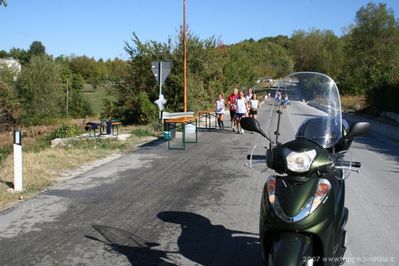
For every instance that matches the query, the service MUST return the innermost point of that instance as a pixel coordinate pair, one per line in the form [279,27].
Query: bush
[139,110]
[65,131]
[384,97]
[107,112]
[80,106]
[10,112]
[146,111]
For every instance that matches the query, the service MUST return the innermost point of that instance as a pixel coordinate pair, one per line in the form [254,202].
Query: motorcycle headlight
[299,162]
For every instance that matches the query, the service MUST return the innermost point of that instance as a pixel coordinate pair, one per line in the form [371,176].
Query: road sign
[161,70]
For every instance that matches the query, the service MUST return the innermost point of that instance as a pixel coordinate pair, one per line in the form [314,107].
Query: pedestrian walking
[277,98]
[253,106]
[247,98]
[220,105]
[231,102]
[286,100]
[240,111]
[249,95]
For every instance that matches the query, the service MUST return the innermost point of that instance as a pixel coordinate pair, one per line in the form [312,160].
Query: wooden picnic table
[180,123]
[115,124]
[183,119]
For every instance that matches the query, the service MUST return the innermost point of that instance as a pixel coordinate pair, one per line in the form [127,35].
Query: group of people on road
[279,99]
[239,106]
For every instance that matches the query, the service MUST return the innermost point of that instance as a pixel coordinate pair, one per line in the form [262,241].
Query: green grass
[96,96]
[142,132]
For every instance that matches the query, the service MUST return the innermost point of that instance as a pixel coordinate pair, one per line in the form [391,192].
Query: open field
[96,96]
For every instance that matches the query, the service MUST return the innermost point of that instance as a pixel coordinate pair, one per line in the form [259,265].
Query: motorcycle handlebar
[256,157]
[351,164]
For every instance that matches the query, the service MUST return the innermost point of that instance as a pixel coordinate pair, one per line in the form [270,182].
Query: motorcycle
[302,213]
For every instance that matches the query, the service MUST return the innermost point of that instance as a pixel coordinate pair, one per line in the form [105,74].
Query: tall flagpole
[184,57]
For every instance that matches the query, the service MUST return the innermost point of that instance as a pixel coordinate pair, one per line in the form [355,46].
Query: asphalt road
[194,207]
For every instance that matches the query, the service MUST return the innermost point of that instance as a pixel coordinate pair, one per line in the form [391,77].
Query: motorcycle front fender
[290,248]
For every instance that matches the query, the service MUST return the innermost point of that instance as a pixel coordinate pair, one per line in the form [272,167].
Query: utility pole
[184,57]
[67,97]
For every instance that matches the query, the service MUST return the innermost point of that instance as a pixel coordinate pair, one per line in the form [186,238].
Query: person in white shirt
[253,106]
[249,95]
[219,105]
[240,111]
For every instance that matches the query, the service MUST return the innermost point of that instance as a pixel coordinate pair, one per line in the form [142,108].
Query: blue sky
[99,28]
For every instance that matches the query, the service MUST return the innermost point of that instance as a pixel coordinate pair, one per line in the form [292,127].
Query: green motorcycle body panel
[294,191]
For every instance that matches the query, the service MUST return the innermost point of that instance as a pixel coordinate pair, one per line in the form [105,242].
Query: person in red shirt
[231,103]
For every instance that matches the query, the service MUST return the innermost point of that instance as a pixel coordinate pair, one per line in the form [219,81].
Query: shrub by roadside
[353,103]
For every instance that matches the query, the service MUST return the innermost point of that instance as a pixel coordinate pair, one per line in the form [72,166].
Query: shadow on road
[137,250]
[386,147]
[154,143]
[199,241]
[204,243]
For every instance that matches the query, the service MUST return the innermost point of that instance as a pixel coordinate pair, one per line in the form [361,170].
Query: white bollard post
[17,161]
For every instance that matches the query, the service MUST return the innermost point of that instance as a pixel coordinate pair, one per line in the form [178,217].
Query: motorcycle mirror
[251,124]
[358,129]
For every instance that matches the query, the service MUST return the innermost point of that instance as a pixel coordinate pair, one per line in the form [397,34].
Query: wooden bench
[92,127]
[180,123]
[116,125]
[101,126]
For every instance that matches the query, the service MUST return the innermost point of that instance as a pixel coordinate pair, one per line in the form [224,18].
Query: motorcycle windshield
[305,105]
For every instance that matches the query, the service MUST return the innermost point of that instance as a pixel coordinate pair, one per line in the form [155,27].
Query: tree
[20,54]
[239,70]
[10,111]
[372,49]
[36,49]
[317,50]
[272,58]
[3,2]
[92,71]
[73,104]
[116,69]
[39,89]
[3,54]
[78,105]
[138,83]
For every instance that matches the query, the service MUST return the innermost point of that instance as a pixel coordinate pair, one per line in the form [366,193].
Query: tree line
[48,87]
[363,61]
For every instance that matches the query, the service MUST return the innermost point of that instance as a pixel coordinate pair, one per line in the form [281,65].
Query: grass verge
[353,103]
[42,167]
